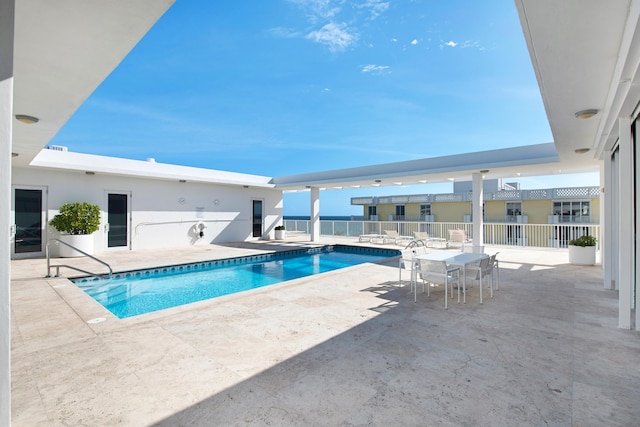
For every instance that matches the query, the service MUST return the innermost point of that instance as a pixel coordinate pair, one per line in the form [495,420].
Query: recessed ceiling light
[581,150]
[484,171]
[89,173]
[378,180]
[586,114]
[27,119]
[423,181]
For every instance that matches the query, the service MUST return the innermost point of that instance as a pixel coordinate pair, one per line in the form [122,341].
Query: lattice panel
[399,199]
[572,193]
[362,201]
[539,194]
[420,198]
[506,195]
[449,198]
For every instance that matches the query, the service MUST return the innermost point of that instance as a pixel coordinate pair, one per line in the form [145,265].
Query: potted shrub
[76,222]
[582,251]
[280,232]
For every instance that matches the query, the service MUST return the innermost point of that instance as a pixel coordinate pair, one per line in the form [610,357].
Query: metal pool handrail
[57,266]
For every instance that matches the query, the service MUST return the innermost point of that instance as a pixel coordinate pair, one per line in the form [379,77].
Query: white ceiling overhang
[101,165]
[63,50]
[585,54]
[532,160]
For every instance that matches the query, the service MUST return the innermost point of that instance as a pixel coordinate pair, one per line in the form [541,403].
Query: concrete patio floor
[347,347]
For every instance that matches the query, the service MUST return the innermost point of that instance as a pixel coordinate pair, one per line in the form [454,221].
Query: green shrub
[77,218]
[583,241]
[280,227]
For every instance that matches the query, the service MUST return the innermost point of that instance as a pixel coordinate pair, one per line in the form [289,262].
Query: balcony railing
[511,234]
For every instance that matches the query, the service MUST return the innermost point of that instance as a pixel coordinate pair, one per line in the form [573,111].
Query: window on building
[513,210]
[399,213]
[425,210]
[372,211]
[574,211]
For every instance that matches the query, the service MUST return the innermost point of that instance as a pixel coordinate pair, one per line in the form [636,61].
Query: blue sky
[283,87]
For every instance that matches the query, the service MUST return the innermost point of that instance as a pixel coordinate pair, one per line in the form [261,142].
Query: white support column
[635,298]
[626,247]
[606,224]
[315,214]
[478,198]
[7,14]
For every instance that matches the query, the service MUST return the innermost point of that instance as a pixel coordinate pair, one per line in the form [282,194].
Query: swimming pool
[143,291]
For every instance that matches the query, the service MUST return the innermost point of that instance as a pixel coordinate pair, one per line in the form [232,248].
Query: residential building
[506,204]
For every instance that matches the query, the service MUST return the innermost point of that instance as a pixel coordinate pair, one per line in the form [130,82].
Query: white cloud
[414,42]
[376,7]
[334,33]
[283,32]
[394,39]
[319,8]
[336,36]
[378,70]
[471,44]
[451,43]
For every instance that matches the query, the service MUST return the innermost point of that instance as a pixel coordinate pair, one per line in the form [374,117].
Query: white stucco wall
[163,212]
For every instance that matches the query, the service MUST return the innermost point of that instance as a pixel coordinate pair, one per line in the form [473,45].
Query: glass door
[257,218]
[29,222]
[118,226]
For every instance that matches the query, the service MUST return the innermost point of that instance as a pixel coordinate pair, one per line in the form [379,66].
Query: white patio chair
[436,273]
[480,270]
[406,262]
[496,267]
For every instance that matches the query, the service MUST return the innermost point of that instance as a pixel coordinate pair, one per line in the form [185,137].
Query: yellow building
[544,206]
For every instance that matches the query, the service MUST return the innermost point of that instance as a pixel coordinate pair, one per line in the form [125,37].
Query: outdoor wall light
[14,154]
[378,180]
[182,180]
[582,150]
[484,171]
[90,173]
[586,114]
[27,119]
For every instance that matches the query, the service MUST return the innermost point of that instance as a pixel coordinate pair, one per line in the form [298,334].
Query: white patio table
[457,259]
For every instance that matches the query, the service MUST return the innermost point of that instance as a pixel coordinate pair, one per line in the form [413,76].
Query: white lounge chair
[395,237]
[457,238]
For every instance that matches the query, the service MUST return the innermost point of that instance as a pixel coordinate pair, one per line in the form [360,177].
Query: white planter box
[84,242]
[582,255]
[280,234]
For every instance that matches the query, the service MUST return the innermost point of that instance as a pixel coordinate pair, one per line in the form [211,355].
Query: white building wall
[163,213]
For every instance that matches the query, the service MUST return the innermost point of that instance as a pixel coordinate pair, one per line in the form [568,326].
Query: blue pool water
[143,291]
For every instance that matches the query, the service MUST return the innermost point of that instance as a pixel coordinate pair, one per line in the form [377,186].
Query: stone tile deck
[347,347]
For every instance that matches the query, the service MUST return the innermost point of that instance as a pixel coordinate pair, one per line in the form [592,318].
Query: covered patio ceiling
[63,50]
[580,50]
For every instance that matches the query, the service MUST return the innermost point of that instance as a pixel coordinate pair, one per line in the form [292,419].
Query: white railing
[512,234]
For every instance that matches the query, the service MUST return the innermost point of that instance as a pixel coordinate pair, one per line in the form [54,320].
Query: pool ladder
[57,266]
